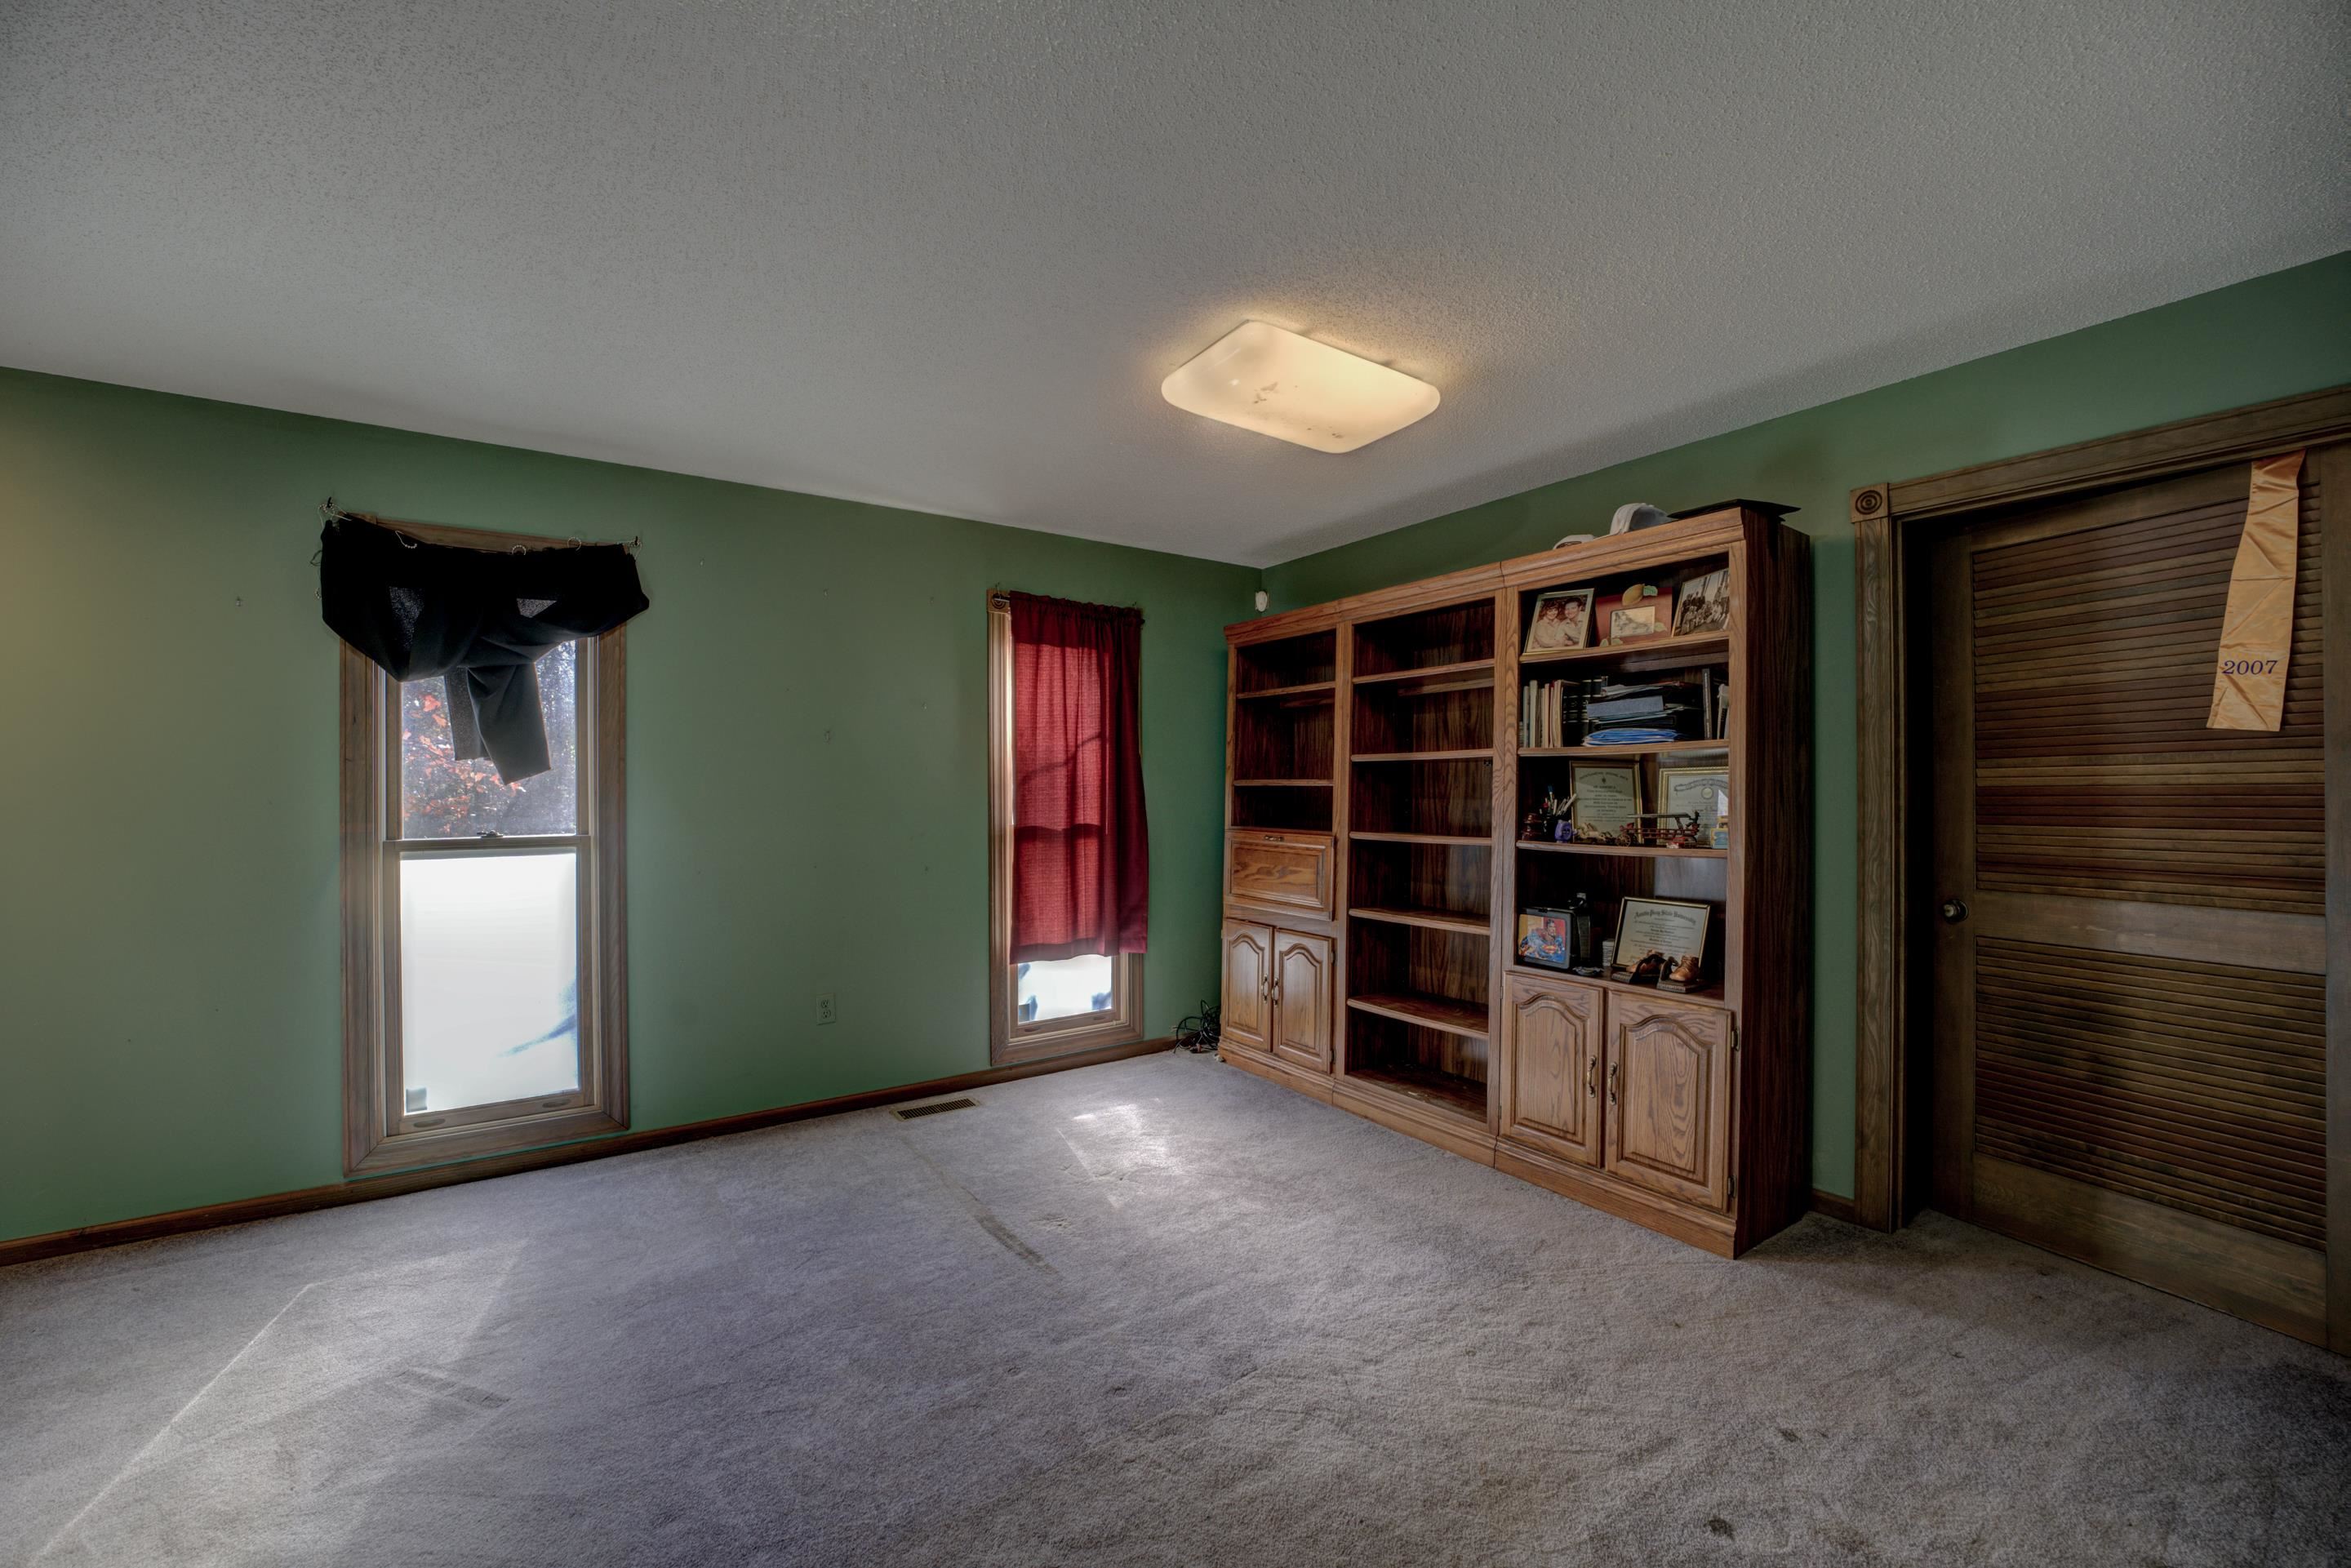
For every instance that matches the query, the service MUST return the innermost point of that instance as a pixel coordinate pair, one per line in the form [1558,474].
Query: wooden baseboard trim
[362,1190]
[1713,1234]
[1403,1114]
[1835,1207]
[1314,1086]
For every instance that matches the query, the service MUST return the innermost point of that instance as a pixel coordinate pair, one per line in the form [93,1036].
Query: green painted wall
[2272,337]
[807,805]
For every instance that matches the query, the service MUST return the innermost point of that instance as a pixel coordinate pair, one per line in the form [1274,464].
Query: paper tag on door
[2257,633]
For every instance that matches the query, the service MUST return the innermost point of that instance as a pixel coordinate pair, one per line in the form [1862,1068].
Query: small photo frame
[1562,620]
[1545,939]
[1661,942]
[1642,609]
[1701,793]
[1703,605]
[1605,798]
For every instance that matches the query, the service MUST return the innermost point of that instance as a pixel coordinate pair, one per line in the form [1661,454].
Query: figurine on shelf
[1661,830]
[1551,821]
[1679,831]
[1581,958]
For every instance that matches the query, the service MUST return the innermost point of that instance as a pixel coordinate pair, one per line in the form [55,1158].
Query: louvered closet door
[2130,921]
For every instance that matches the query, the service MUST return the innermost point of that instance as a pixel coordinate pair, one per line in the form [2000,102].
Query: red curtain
[1081,853]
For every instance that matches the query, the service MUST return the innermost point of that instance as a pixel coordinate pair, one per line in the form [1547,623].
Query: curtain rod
[1002,599]
[329,511]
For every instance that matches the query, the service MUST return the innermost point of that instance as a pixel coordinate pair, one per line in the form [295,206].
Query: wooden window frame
[1895,527]
[1009,1040]
[379,1133]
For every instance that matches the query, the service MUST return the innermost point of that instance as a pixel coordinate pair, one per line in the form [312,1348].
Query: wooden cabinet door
[1279,870]
[1248,1015]
[1550,1068]
[1301,1000]
[1670,1088]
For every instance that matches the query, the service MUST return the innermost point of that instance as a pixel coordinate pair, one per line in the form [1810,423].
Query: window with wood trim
[1051,1007]
[484,983]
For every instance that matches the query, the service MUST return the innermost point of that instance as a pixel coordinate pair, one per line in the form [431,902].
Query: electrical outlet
[825,1011]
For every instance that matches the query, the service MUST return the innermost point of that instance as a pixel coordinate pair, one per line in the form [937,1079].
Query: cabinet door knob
[1591,1077]
[1612,1080]
[1954,911]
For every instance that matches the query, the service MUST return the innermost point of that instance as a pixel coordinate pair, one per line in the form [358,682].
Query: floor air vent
[908,1113]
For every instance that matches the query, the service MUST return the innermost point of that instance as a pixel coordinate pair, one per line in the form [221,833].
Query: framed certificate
[1661,942]
[1700,792]
[1606,798]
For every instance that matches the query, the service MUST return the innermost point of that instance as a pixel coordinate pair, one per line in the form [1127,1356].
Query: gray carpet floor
[1154,1312]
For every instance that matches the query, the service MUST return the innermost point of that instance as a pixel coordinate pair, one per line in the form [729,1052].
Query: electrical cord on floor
[1200,1032]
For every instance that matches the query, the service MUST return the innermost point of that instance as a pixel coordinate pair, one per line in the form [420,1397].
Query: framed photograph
[1563,620]
[1704,605]
[1545,939]
[1661,942]
[1642,609]
[1605,798]
[1701,793]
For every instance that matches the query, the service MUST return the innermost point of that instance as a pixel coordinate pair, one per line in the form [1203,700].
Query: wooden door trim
[2333,470]
[2209,441]
[1892,528]
[1893,525]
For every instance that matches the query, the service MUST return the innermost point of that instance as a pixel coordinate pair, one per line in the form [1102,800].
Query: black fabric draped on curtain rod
[478,618]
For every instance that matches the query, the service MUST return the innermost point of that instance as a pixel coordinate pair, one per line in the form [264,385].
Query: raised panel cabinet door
[1278,871]
[1301,1000]
[1551,1069]
[1669,1087]
[1248,1015]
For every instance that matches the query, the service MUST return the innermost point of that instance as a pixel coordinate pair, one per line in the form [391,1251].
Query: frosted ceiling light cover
[1263,378]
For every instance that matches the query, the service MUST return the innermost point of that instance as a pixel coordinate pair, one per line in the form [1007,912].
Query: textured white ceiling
[940,254]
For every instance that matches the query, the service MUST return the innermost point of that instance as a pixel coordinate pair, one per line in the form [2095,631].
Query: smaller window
[1045,1007]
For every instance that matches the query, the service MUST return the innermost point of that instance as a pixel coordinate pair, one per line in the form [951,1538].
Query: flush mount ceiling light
[1262,378]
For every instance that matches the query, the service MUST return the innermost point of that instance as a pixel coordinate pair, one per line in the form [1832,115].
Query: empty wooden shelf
[1444,1013]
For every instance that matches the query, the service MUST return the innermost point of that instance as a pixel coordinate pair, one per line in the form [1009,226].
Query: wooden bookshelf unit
[1377,795]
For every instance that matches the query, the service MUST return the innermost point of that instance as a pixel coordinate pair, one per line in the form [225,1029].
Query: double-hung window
[484,985]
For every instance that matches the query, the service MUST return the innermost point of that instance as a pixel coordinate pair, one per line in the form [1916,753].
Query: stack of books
[1638,714]
[1694,704]
[1552,713]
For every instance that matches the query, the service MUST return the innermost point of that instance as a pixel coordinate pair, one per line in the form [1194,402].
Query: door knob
[1954,911]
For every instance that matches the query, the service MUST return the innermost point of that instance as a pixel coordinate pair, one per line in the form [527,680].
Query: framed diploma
[1700,792]
[1607,798]
[1661,942]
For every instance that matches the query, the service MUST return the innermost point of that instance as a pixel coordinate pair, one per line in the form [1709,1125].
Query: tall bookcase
[1377,859]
